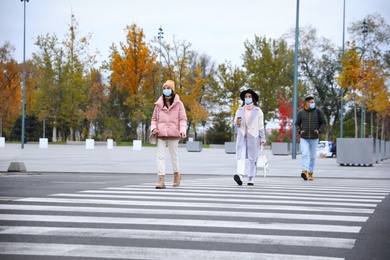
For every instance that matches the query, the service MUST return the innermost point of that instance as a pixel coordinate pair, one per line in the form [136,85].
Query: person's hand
[238,121]
[183,135]
[302,131]
[155,131]
[263,143]
[317,132]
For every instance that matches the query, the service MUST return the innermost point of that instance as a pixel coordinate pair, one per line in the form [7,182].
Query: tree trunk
[63,132]
[372,125]
[71,137]
[146,133]
[44,128]
[54,137]
[383,129]
[377,127]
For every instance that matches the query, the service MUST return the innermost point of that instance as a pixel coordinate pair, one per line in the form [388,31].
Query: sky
[213,27]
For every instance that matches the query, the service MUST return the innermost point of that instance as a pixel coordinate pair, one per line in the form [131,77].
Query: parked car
[334,149]
[325,149]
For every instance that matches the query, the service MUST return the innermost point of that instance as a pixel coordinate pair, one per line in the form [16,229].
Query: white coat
[255,133]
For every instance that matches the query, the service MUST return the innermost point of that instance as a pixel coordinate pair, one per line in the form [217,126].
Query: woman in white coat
[249,121]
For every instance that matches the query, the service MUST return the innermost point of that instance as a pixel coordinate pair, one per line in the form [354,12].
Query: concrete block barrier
[17,167]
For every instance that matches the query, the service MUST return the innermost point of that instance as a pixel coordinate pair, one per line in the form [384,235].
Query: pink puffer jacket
[170,122]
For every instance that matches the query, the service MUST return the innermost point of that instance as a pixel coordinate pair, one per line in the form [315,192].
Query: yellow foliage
[10,95]
[363,81]
[349,76]
[191,94]
[131,68]
[134,64]
[375,89]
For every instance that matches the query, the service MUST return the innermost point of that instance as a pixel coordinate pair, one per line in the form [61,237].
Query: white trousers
[172,148]
[241,163]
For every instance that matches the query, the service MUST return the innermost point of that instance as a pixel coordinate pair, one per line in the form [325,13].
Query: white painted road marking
[115,252]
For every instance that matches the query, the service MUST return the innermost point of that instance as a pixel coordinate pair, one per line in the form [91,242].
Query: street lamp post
[363,116]
[295,99]
[24,72]
[342,91]
[160,37]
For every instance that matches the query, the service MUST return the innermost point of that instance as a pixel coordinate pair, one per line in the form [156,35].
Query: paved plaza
[124,159]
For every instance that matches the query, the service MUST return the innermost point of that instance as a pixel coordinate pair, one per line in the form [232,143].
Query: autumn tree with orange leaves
[376,92]
[349,79]
[191,73]
[372,50]
[132,92]
[97,101]
[191,93]
[10,89]
[364,84]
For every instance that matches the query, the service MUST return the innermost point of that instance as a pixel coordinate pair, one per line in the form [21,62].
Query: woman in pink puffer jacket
[169,123]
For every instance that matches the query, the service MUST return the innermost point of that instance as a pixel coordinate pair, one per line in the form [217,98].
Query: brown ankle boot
[176,179]
[304,175]
[160,184]
[310,176]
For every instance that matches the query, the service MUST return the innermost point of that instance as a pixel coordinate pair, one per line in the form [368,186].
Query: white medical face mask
[312,105]
[248,101]
[167,92]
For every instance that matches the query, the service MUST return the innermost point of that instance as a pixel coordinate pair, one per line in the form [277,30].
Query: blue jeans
[308,146]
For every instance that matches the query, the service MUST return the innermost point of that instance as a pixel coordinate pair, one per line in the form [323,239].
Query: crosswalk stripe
[182,222]
[219,213]
[117,252]
[198,205]
[284,191]
[229,185]
[274,195]
[8,198]
[257,201]
[329,242]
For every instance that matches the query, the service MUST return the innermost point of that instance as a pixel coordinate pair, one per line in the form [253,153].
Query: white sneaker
[250,181]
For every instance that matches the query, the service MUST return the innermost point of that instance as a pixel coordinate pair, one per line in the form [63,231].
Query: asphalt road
[121,216]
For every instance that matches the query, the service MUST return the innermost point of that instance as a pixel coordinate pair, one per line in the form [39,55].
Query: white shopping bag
[262,161]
